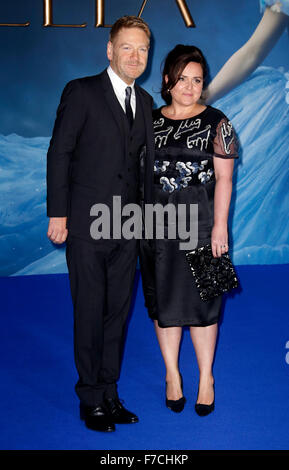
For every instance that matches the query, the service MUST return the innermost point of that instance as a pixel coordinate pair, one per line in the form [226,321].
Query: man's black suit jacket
[87,155]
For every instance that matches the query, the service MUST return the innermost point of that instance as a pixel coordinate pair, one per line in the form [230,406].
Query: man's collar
[116,80]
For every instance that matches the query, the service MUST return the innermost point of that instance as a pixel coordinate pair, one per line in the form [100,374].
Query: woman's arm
[223,190]
[248,57]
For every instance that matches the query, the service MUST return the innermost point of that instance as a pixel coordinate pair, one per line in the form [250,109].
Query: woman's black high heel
[204,410]
[176,405]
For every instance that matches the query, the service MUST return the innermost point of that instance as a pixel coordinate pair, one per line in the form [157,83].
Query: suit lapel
[147,113]
[113,103]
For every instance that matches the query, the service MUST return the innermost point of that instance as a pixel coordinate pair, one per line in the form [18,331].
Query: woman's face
[188,89]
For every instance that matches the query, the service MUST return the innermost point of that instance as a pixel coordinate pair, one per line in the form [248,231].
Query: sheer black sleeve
[225,142]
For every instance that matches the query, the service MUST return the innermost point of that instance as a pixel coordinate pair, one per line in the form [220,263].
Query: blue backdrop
[36,64]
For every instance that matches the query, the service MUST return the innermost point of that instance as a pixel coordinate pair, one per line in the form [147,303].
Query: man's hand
[57,231]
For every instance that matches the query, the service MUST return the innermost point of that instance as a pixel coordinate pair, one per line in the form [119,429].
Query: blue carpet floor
[39,409]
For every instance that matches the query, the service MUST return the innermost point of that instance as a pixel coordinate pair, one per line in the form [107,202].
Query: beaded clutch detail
[213,276]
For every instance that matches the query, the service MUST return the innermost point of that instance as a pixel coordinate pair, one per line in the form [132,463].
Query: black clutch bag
[213,276]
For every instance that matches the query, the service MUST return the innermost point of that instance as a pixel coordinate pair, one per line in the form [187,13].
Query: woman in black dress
[195,147]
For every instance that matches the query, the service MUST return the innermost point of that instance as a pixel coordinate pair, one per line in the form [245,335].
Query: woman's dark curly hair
[175,62]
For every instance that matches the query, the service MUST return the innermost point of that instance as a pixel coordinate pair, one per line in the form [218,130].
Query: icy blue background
[36,63]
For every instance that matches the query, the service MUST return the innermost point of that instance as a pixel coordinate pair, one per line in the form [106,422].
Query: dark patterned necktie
[128,109]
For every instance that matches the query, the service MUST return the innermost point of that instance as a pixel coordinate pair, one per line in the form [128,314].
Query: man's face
[128,53]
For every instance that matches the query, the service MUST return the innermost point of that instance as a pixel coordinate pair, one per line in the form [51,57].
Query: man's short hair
[129,22]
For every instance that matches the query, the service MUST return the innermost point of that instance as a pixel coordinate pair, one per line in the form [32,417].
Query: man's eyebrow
[130,44]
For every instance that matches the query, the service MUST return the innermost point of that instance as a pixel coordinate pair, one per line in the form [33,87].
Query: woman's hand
[219,240]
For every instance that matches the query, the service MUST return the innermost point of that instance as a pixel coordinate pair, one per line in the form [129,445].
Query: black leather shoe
[176,405]
[96,418]
[117,413]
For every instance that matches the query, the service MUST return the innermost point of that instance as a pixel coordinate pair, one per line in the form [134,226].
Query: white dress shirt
[119,87]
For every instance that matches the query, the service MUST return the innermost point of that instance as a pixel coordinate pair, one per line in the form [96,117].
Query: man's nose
[134,54]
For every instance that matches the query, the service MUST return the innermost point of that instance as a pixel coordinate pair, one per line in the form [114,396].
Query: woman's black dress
[184,174]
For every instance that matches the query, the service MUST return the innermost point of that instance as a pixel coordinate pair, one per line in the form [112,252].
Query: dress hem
[183,323]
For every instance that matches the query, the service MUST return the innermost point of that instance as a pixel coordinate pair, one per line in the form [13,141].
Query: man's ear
[109,50]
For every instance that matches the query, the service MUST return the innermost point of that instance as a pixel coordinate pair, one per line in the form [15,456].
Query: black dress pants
[101,277]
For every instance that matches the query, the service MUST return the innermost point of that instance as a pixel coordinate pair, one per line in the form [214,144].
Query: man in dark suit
[102,124]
